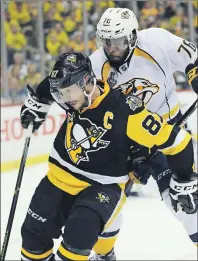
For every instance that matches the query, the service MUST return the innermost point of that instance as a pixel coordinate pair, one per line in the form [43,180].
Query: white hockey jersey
[149,73]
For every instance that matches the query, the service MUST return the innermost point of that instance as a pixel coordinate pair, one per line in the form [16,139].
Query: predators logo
[83,137]
[140,87]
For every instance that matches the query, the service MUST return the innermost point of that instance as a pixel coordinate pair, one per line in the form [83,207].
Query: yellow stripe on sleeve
[105,71]
[172,113]
[138,133]
[179,147]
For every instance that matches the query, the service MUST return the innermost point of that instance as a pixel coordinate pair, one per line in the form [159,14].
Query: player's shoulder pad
[155,41]
[134,103]
[153,37]
[154,34]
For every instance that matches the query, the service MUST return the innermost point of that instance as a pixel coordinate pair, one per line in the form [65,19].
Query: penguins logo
[141,88]
[82,138]
[71,58]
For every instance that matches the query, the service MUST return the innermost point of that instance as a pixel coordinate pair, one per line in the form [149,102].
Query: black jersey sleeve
[43,90]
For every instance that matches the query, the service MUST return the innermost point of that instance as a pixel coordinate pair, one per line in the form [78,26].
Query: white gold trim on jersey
[103,179]
[116,211]
[181,137]
[57,258]
[173,112]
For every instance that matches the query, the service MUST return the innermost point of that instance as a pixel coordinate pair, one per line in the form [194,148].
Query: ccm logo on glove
[186,188]
[33,103]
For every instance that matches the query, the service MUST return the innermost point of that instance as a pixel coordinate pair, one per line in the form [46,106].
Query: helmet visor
[119,44]
[72,95]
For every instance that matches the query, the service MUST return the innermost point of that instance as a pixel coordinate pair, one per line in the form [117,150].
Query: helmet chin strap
[89,96]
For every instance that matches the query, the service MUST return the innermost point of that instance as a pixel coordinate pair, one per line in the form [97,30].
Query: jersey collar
[104,88]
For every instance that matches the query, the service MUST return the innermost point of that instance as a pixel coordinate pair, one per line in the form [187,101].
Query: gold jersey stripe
[178,148]
[41,256]
[71,255]
[99,99]
[139,52]
[171,113]
[136,132]
[105,71]
[65,181]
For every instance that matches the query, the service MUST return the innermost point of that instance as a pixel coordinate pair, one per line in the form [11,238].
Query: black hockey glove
[184,194]
[140,170]
[139,165]
[192,75]
[33,110]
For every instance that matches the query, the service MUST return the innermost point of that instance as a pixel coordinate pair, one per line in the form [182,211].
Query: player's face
[74,96]
[115,48]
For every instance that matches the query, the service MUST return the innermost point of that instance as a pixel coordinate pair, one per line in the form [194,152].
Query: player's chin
[115,58]
[75,105]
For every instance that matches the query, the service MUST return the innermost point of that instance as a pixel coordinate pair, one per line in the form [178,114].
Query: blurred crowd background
[35,33]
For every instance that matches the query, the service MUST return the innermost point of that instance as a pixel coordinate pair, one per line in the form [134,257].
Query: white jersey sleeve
[180,51]
[99,61]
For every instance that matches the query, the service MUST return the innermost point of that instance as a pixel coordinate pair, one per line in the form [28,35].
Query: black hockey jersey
[93,145]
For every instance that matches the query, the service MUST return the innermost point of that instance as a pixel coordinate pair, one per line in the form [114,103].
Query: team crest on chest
[83,137]
[140,87]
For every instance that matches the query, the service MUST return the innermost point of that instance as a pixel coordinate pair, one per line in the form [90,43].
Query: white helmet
[121,25]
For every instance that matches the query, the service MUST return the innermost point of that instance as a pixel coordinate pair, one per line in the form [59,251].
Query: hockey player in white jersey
[143,63]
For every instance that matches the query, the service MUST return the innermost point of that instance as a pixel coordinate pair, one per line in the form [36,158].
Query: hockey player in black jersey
[83,189]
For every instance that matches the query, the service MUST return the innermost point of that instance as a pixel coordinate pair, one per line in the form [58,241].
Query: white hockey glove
[33,110]
[184,194]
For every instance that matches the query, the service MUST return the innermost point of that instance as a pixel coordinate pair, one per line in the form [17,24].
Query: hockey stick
[187,114]
[181,121]
[16,192]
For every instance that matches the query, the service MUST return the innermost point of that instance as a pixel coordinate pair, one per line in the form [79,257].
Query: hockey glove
[140,170]
[184,194]
[33,110]
[192,75]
